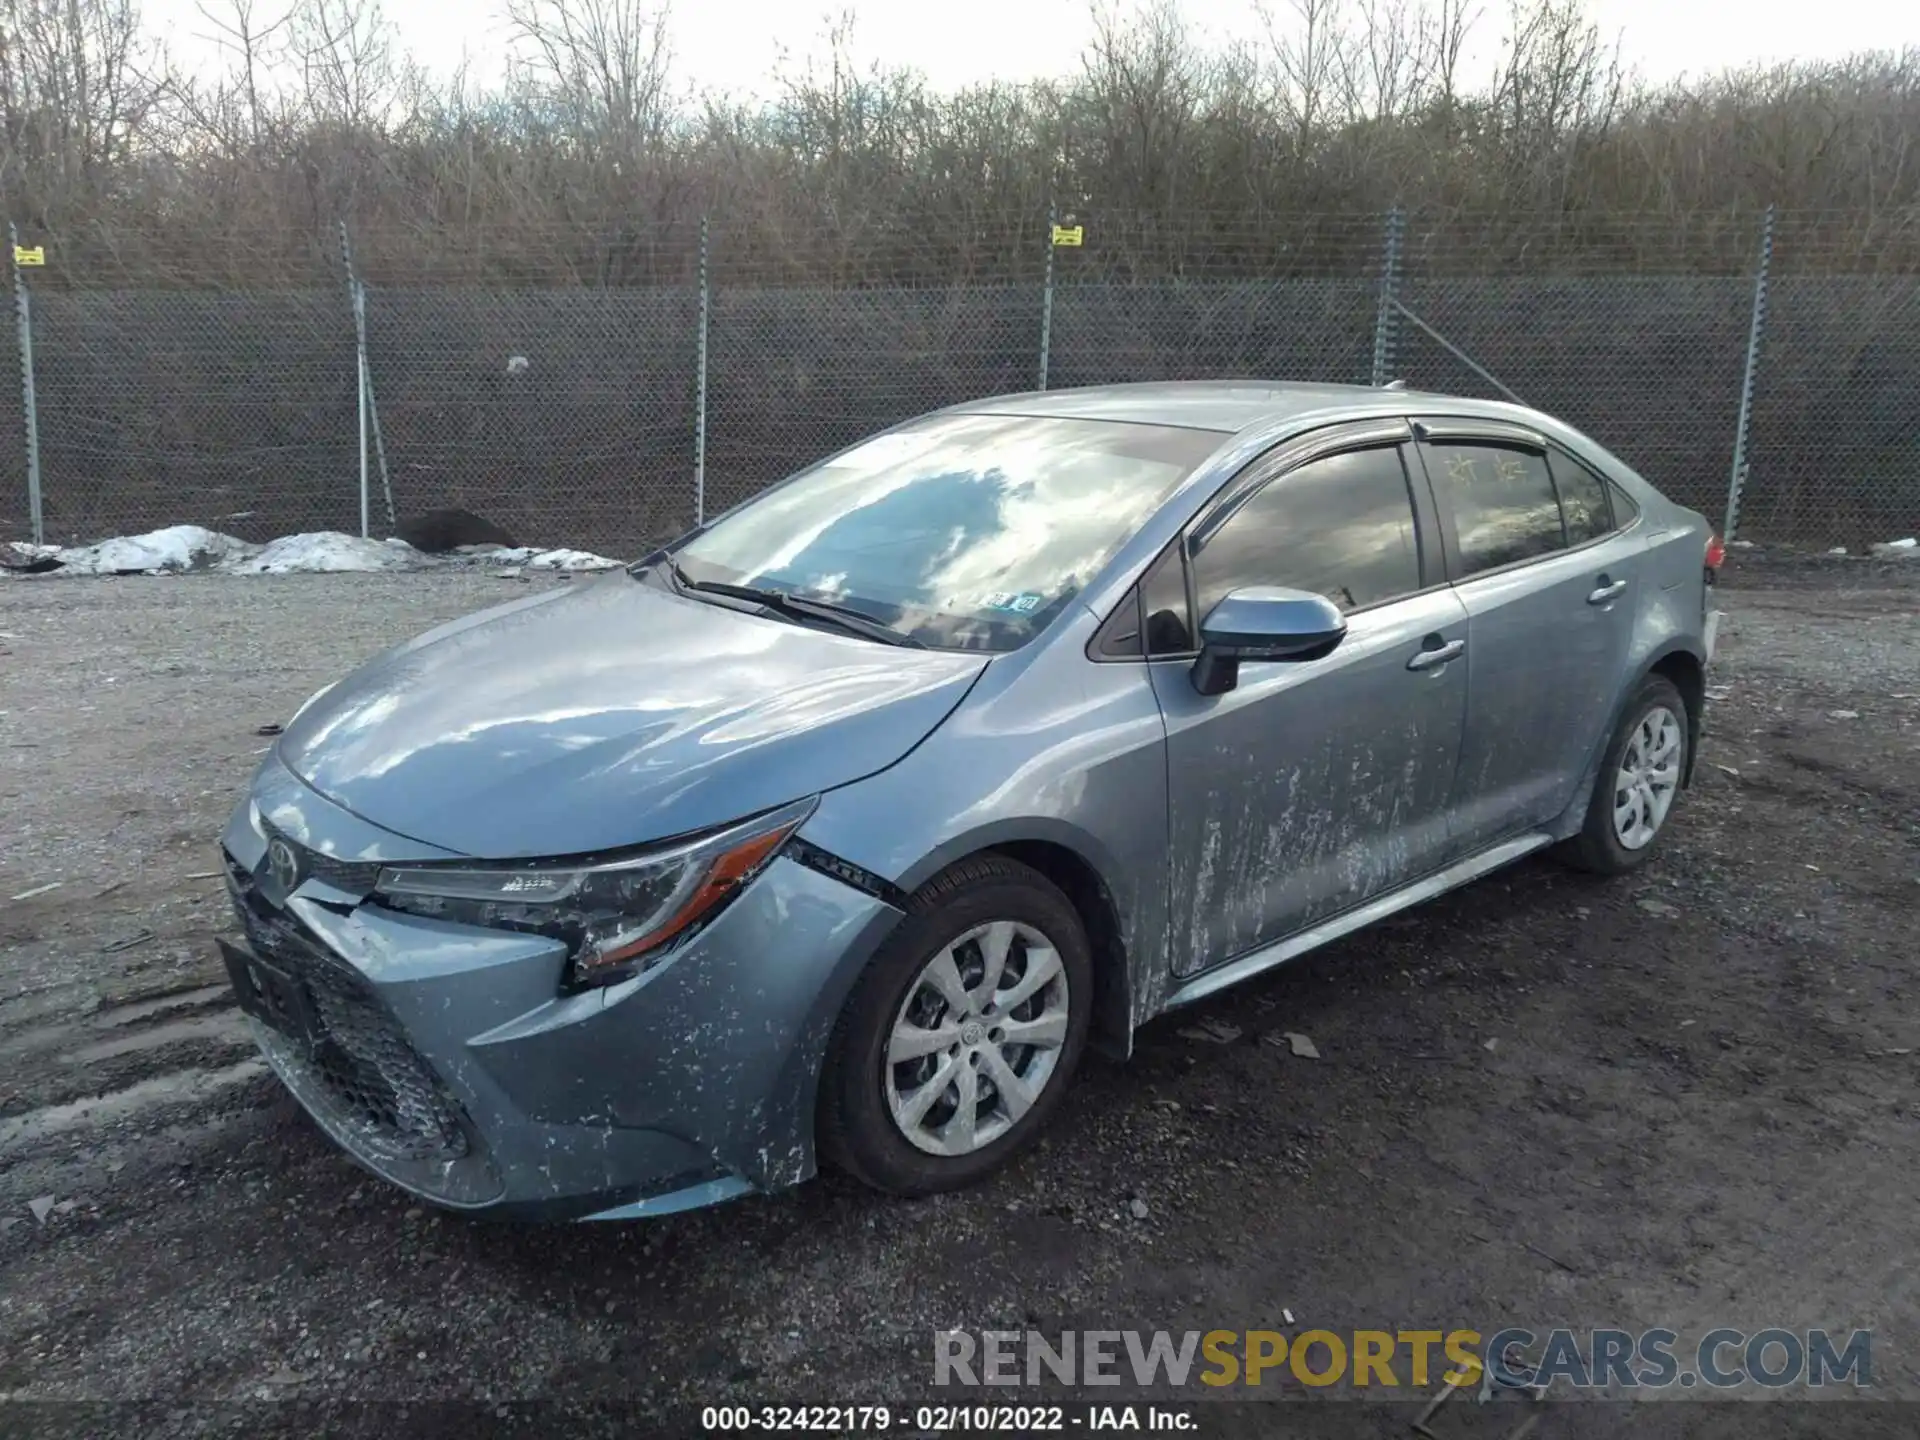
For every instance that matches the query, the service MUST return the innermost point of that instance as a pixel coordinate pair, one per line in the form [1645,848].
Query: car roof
[1227,406]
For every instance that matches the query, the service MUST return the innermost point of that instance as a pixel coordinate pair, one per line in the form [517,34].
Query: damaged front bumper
[446,1058]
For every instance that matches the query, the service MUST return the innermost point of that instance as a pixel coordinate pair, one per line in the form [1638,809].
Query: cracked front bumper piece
[448,1060]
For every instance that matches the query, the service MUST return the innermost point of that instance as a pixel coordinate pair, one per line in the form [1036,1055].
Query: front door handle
[1439,655]
[1607,592]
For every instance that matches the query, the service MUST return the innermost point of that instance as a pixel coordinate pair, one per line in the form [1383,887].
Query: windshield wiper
[845,616]
[857,621]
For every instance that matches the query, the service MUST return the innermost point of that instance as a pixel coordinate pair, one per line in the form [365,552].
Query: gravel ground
[1682,1099]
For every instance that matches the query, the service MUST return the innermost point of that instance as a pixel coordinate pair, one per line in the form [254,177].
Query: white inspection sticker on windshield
[1009,602]
[1022,602]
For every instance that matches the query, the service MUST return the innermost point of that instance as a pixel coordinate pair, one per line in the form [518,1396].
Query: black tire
[856,1129]
[1597,847]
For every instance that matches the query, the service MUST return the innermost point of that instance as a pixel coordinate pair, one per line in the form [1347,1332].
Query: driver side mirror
[1263,622]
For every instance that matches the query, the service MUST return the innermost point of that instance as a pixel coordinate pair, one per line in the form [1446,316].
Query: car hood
[611,715]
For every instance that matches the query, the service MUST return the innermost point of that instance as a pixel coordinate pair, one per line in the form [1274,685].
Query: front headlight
[620,916]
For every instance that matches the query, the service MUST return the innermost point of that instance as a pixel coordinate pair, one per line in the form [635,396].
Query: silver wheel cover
[977,1038]
[1649,774]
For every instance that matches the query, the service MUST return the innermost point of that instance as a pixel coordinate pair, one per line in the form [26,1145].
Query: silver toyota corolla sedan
[841,826]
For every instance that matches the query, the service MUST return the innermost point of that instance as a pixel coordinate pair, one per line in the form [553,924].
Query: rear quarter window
[1583,499]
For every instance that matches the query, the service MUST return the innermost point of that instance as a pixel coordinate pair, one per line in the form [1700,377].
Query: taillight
[1716,554]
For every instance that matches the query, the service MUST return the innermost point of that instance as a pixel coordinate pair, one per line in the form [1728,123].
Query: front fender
[1059,752]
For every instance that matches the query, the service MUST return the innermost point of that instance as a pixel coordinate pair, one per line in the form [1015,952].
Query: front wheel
[1638,781]
[963,1034]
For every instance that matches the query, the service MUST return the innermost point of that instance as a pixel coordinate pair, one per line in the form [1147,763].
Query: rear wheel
[963,1034]
[1638,782]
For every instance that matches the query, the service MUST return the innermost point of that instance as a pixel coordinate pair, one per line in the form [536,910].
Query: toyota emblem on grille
[283,864]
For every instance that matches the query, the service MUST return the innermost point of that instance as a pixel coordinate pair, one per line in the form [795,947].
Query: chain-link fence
[562,415]
[606,396]
[797,373]
[233,411]
[1652,368]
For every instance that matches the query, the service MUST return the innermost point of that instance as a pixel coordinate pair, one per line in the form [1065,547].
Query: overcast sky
[737,44]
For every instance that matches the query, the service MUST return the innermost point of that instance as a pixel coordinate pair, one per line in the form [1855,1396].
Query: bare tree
[1310,49]
[348,60]
[1175,155]
[1453,21]
[1384,68]
[603,62]
[1143,82]
[253,41]
[76,82]
[1559,75]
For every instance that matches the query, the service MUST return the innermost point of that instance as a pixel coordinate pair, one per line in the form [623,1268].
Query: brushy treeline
[590,163]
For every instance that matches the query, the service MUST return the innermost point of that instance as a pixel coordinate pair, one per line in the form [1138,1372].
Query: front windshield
[966,532]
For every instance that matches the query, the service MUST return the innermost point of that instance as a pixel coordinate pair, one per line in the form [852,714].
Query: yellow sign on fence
[29,255]
[1069,234]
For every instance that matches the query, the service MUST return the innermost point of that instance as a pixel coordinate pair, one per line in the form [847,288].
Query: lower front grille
[364,1078]
[382,1088]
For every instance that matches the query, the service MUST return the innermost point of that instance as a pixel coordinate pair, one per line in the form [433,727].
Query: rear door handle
[1439,655]
[1607,592]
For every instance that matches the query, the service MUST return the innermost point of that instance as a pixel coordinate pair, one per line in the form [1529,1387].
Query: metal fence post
[700,388]
[23,307]
[360,394]
[1046,300]
[373,408]
[369,407]
[1385,314]
[1756,331]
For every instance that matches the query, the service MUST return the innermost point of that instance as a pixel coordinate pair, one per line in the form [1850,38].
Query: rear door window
[1504,506]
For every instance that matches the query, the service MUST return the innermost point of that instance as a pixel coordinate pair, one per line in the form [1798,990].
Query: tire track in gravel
[103,1081]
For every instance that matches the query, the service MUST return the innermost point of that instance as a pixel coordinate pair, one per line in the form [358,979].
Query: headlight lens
[619,917]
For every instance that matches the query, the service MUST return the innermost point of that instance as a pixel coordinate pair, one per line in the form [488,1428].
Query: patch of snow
[1897,549]
[176,548]
[571,560]
[322,552]
[534,559]
[193,547]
